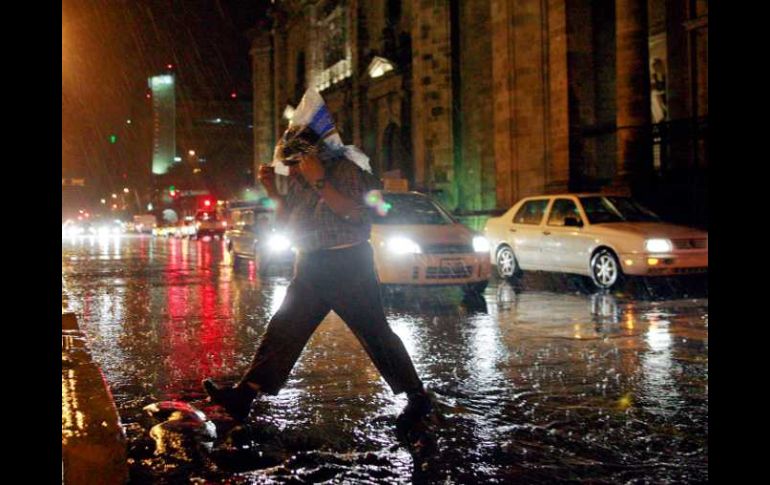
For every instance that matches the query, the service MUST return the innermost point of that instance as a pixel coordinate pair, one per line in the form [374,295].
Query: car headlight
[658,245]
[278,243]
[103,231]
[402,245]
[480,244]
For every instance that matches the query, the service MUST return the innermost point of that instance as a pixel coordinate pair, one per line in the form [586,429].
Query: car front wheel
[506,263]
[605,269]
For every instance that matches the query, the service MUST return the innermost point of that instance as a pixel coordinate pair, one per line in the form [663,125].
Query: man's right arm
[266,176]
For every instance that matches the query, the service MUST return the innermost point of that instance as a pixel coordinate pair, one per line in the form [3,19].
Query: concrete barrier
[93,441]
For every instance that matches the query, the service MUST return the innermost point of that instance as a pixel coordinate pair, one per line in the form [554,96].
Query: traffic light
[172,191]
[113,139]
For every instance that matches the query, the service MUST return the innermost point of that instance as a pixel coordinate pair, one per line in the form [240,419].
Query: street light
[103,201]
[125,190]
[191,153]
[114,196]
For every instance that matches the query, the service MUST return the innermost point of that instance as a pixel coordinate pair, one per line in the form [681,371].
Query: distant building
[163,122]
[214,138]
[490,101]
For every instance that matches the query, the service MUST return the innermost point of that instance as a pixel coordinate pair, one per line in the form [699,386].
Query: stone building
[487,101]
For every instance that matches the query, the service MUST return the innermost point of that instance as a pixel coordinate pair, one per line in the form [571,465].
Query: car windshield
[412,209]
[605,209]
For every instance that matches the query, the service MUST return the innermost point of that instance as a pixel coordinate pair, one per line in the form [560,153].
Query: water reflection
[522,395]
[604,307]
[659,386]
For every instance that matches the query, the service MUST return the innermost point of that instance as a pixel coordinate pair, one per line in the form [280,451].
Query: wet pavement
[541,382]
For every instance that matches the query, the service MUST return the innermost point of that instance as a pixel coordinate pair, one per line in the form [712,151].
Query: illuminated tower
[164,122]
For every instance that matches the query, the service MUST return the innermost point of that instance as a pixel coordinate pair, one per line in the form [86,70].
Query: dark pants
[343,280]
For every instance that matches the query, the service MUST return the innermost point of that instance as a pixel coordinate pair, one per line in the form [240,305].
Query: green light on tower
[113,139]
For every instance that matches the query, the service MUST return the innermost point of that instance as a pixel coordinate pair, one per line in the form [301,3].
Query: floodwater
[540,382]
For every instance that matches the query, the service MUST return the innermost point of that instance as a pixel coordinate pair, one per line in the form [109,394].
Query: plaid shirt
[312,223]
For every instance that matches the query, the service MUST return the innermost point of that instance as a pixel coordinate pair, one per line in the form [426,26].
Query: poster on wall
[658,66]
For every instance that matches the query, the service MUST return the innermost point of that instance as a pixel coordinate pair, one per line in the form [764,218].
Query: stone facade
[486,101]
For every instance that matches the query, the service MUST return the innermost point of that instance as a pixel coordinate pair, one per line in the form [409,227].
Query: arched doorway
[395,155]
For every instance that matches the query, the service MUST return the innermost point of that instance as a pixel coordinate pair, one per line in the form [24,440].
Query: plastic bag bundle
[311,125]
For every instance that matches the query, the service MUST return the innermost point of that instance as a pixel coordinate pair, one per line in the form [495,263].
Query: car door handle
[512,230]
[547,233]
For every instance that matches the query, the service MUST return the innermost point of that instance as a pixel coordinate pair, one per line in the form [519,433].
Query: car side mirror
[572,222]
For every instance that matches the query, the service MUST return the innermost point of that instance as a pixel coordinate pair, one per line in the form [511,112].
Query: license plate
[454,265]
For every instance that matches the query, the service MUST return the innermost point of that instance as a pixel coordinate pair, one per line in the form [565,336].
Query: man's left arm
[350,205]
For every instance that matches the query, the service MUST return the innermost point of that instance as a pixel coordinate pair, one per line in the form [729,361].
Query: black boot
[236,400]
[419,406]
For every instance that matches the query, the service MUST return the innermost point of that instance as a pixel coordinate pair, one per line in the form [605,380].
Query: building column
[432,99]
[356,69]
[262,95]
[529,80]
[280,88]
[633,116]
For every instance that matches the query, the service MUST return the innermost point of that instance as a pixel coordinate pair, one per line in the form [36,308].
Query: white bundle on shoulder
[312,114]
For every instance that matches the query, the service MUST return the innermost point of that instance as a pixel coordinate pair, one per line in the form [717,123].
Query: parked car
[186,227]
[252,235]
[144,223]
[208,223]
[597,235]
[418,242]
[164,230]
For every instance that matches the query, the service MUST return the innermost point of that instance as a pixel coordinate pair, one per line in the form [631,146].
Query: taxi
[417,242]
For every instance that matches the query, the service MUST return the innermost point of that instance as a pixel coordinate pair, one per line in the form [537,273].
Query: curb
[94,449]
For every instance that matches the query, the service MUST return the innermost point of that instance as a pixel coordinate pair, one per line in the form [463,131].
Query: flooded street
[542,382]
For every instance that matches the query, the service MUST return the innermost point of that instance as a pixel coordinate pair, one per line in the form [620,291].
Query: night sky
[111,47]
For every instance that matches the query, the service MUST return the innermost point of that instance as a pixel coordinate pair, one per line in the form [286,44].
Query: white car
[252,235]
[597,235]
[417,242]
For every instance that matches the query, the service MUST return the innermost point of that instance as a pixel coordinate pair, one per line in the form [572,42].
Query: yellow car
[417,242]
